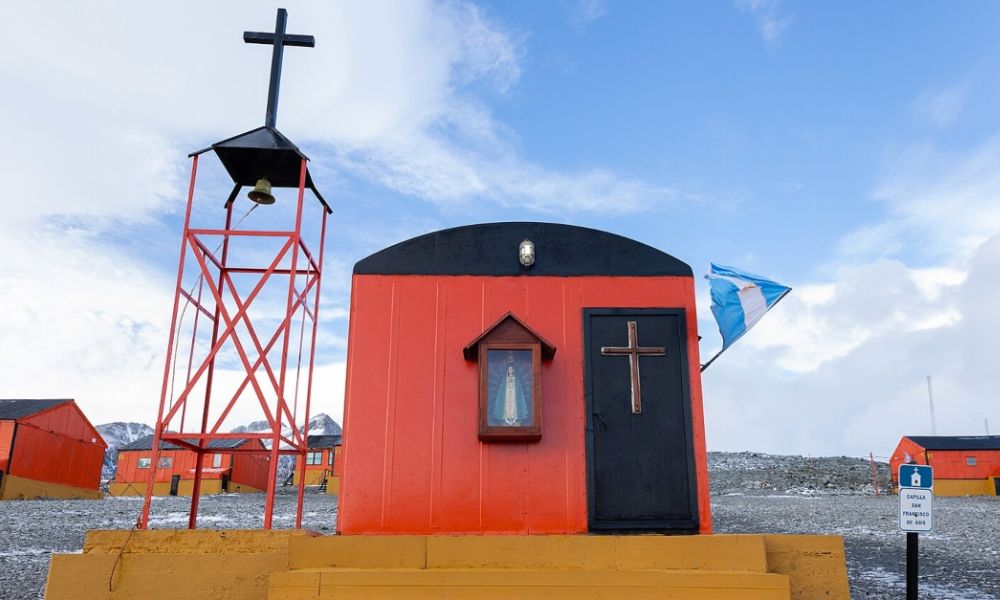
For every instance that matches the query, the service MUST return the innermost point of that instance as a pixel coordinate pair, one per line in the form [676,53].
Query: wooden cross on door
[633,351]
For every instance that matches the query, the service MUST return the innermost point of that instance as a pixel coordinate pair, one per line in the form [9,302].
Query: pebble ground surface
[751,493]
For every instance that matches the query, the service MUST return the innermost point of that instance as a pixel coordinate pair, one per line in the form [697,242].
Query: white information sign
[916,509]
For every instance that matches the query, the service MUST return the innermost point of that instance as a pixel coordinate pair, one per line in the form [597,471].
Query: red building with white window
[228,467]
[321,464]
[48,449]
[963,465]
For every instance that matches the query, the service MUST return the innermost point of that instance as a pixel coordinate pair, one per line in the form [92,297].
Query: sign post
[916,514]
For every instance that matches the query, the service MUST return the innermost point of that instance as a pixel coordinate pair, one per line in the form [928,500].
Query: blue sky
[849,150]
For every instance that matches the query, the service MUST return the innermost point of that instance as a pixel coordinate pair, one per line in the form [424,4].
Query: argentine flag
[740,299]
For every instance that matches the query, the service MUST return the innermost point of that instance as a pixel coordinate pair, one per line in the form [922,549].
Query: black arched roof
[492,249]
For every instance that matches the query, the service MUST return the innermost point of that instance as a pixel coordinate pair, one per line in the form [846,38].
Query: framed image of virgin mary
[510,355]
[510,392]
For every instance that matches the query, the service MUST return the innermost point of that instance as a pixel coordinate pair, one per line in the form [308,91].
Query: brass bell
[261,193]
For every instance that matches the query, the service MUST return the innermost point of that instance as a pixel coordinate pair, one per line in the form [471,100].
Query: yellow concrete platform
[289,565]
[13,487]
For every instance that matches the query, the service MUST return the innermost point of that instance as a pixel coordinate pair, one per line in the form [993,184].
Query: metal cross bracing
[219,301]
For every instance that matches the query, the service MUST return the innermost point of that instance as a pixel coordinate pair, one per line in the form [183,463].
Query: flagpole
[724,348]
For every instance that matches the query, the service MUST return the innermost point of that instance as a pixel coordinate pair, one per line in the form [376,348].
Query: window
[314,458]
[216,461]
[970,461]
[331,457]
[144,462]
[165,462]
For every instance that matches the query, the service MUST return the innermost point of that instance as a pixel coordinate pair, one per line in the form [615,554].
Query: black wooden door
[175,483]
[640,466]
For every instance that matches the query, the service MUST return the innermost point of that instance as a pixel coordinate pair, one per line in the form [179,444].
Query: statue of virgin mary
[510,402]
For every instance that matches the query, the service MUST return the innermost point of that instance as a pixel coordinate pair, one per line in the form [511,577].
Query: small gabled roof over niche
[509,328]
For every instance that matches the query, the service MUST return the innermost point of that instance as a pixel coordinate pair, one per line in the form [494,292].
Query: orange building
[493,386]
[321,464]
[963,465]
[48,449]
[230,469]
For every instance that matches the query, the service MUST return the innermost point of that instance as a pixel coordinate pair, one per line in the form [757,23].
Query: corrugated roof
[324,441]
[18,409]
[146,443]
[956,442]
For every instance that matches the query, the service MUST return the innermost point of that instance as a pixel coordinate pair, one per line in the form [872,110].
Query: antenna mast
[930,399]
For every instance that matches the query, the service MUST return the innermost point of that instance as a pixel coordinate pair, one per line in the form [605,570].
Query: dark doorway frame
[689,526]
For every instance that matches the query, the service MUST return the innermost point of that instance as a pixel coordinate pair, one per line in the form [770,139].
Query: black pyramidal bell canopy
[265,152]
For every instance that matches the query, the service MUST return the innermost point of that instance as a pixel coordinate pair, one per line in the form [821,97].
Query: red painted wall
[66,419]
[58,445]
[250,469]
[948,464]
[412,461]
[55,458]
[6,437]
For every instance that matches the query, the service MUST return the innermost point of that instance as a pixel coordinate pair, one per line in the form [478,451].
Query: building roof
[146,443]
[324,441]
[492,249]
[956,442]
[18,409]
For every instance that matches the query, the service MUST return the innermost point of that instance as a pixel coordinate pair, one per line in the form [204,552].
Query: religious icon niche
[510,391]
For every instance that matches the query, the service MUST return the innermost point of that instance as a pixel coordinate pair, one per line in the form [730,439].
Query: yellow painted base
[333,486]
[13,487]
[964,487]
[293,565]
[184,488]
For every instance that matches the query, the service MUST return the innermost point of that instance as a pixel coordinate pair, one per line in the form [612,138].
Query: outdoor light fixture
[526,253]
[261,193]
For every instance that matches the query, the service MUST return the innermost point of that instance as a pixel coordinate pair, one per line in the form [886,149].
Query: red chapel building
[48,449]
[523,378]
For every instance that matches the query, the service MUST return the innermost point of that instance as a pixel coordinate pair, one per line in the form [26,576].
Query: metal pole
[160,425]
[871,456]
[911,565]
[930,398]
[309,381]
[200,455]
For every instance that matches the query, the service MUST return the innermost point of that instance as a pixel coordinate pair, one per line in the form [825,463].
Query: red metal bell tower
[248,290]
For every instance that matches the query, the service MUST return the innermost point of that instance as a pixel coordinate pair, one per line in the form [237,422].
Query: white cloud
[773,25]
[840,365]
[940,106]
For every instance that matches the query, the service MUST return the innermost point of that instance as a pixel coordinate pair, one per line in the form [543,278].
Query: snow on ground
[751,493]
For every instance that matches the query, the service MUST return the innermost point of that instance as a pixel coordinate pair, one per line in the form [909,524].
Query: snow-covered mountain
[116,435]
[320,424]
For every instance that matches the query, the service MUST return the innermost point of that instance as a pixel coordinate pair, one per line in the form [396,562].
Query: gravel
[751,493]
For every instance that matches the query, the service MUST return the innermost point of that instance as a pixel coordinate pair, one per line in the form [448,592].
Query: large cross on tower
[279,39]
[633,352]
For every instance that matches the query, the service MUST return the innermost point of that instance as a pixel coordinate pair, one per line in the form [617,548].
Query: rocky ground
[751,493]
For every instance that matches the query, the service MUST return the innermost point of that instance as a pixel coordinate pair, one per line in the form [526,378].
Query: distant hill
[118,434]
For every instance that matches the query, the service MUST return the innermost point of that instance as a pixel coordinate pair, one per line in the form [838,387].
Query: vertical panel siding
[65,419]
[45,456]
[6,437]
[412,458]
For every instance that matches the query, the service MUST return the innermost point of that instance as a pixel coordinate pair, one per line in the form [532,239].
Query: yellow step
[717,553]
[528,584]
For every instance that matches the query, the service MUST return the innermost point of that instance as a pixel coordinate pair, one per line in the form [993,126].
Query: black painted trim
[690,526]
[492,249]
